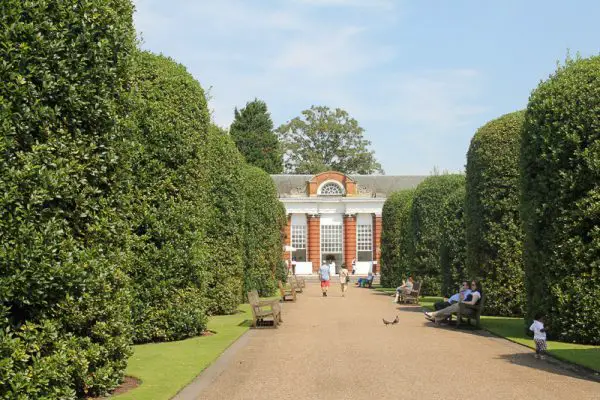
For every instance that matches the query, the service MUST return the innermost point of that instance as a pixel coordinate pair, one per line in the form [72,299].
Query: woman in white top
[444,313]
[406,288]
[344,279]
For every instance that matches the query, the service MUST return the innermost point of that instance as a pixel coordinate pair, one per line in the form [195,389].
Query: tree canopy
[252,133]
[323,139]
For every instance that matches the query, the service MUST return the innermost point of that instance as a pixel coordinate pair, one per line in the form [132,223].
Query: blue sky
[419,76]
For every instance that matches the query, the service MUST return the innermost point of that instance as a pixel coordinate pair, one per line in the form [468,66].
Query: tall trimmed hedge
[222,168]
[453,244]
[64,312]
[560,167]
[396,238]
[426,223]
[494,231]
[171,129]
[263,226]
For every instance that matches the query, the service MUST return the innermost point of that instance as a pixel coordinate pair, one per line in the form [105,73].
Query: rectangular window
[299,243]
[364,242]
[331,239]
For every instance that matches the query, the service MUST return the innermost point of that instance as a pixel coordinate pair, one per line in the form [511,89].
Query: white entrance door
[332,241]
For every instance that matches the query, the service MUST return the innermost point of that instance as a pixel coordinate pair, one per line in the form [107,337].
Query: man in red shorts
[324,277]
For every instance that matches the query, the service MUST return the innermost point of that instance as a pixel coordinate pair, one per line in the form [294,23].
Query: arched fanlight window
[331,189]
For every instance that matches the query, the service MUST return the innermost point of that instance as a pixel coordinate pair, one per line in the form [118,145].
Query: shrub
[171,127]
[263,226]
[494,232]
[222,169]
[453,243]
[64,314]
[560,167]
[396,238]
[426,223]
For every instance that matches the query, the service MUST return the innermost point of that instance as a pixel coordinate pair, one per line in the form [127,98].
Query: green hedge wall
[64,313]
[426,223]
[494,231]
[222,168]
[263,227]
[396,238]
[171,127]
[453,244]
[560,167]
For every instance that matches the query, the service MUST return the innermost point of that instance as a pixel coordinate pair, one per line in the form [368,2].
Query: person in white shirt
[405,288]
[464,291]
[444,313]
[344,279]
[539,336]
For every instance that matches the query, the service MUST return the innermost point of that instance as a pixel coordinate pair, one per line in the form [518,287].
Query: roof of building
[369,185]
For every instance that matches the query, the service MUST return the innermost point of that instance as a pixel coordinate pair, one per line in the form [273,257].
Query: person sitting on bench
[362,282]
[406,288]
[472,298]
[455,298]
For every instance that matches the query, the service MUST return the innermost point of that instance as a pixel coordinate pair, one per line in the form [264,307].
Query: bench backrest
[416,287]
[253,298]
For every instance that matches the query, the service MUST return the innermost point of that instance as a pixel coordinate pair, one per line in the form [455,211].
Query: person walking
[344,278]
[324,277]
[539,336]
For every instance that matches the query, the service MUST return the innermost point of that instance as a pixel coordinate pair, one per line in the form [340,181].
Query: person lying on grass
[444,313]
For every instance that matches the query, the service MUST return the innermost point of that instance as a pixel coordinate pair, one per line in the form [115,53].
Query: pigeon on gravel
[394,322]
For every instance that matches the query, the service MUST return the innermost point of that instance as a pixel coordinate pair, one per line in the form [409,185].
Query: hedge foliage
[64,313]
[263,225]
[396,238]
[494,231]
[453,243]
[171,128]
[222,169]
[560,167]
[426,224]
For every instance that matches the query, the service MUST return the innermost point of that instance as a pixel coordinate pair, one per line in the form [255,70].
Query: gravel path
[338,348]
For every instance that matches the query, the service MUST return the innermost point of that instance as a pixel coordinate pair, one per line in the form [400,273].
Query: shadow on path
[552,366]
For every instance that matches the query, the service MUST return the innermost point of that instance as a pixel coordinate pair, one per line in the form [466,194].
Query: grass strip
[166,368]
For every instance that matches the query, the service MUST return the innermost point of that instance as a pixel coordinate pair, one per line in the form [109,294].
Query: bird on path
[394,322]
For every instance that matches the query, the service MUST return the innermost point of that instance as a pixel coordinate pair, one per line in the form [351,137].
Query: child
[539,336]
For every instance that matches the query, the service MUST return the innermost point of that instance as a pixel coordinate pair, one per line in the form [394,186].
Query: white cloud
[293,56]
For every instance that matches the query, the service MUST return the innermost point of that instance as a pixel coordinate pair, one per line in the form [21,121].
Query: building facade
[335,216]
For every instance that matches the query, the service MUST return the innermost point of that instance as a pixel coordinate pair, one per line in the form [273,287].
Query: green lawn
[513,330]
[165,368]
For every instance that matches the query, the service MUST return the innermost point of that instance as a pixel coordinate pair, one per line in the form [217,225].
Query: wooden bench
[286,291]
[296,283]
[301,281]
[262,309]
[413,296]
[469,312]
